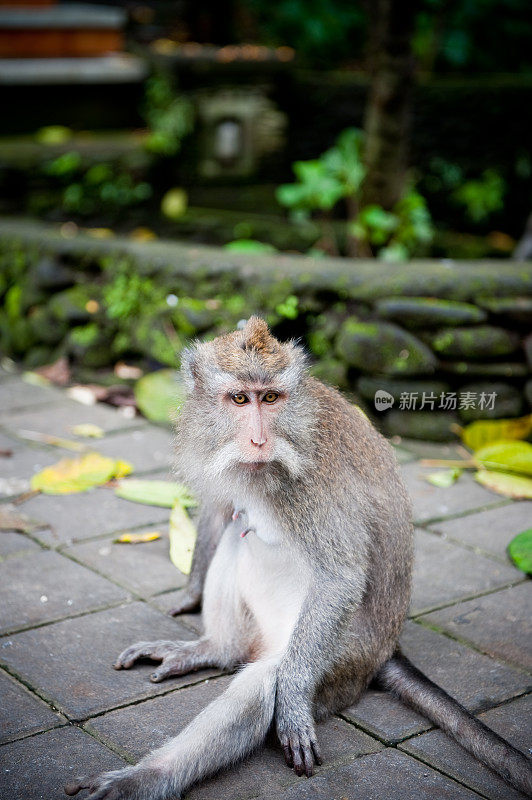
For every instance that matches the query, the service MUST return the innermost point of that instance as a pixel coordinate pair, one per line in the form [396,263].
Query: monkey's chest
[271,582]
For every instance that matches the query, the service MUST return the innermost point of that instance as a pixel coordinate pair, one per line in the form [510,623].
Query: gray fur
[339,516]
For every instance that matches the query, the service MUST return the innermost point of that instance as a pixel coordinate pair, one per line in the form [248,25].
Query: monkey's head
[246,409]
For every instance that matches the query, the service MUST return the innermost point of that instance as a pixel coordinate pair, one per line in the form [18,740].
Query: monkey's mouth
[254,465]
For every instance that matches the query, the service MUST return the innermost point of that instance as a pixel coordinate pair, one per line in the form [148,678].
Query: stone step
[116,68]
[78,29]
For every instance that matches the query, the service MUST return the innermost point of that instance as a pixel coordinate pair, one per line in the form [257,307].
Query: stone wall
[429,334]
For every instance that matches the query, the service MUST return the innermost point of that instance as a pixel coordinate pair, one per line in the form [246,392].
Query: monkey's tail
[228,729]
[405,681]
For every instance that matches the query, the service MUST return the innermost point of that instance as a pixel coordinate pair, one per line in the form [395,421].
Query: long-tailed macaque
[305,544]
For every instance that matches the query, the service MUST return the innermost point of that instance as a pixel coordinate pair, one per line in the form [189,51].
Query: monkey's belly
[273,588]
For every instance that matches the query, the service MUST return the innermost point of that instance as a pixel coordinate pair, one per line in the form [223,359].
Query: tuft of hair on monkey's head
[251,354]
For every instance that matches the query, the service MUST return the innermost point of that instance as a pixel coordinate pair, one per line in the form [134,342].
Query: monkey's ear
[189,369]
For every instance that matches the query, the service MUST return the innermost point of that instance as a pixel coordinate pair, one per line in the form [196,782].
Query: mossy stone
[428,312]
[494,369]
[508,401]
[528,392]
[380,347]
[518,308]
[479,341]
[331,371]
[434,426]
[367,386]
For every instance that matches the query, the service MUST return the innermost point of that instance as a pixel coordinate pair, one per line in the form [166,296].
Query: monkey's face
[254,411]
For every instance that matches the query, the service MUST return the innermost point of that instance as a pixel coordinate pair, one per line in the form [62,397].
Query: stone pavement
[71,599]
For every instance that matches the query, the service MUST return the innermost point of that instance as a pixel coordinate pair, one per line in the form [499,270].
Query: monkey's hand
[130,783]
[297,734]
[175,657]
[187,601]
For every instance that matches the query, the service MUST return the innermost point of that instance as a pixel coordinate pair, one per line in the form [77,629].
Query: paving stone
[37,768]
[17,471]
[75,517]
[140,728]
[475,680]
[423,449]
[8,443]
[45,586]
[143,568]
[148,448]
[431,502]
[21,713]
[374,777]
[165,602]
[71,661]
[383,716]
[490,530]
[512,721]
[14,545]
[16,393]
[444,572]
[58,418]
[500,624]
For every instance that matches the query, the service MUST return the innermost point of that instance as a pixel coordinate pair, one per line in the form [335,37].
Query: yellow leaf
[137,538]
[182,538]
[508,456]
[485,431]
[444,478]
[506,483]
[87,430]
[122,469]
[75,474]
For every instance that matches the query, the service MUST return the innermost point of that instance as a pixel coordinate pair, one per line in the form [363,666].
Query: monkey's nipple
[245,533]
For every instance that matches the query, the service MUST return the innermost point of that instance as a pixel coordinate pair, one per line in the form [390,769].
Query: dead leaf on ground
[87,430]
[137,538]
[57,373]
[48,438]
[72,475]
[11,519]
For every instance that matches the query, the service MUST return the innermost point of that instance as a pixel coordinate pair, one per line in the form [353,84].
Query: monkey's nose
[259,441]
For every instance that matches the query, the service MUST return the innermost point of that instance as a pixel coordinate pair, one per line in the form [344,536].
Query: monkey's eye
[270,397]
[240,399]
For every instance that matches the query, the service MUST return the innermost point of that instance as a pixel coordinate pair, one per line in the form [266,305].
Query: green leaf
[506,483]
[154,493]
[182,539]
[520,551]
[444,478]
[174,203]
[159,395]
[508,456]
[249,246]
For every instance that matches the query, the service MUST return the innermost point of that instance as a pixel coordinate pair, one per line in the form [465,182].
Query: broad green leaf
[154,493]
[508,456]
[159,395]
[137,538]
[444,478]
[77,474]
[182,538]
[506,483]
[485,431]
[520,551]
[88,431]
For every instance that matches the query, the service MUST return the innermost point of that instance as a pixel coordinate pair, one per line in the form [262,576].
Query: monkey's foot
[187,601]
[177,658]
[300,747]
[130,783]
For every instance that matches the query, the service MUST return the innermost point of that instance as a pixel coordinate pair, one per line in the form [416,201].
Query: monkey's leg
[211,524]
[224,732]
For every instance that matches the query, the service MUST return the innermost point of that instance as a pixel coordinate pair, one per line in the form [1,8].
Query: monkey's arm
[309,656]
[211,524]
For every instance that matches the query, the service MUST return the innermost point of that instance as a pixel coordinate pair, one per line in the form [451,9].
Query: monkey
[303,569]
